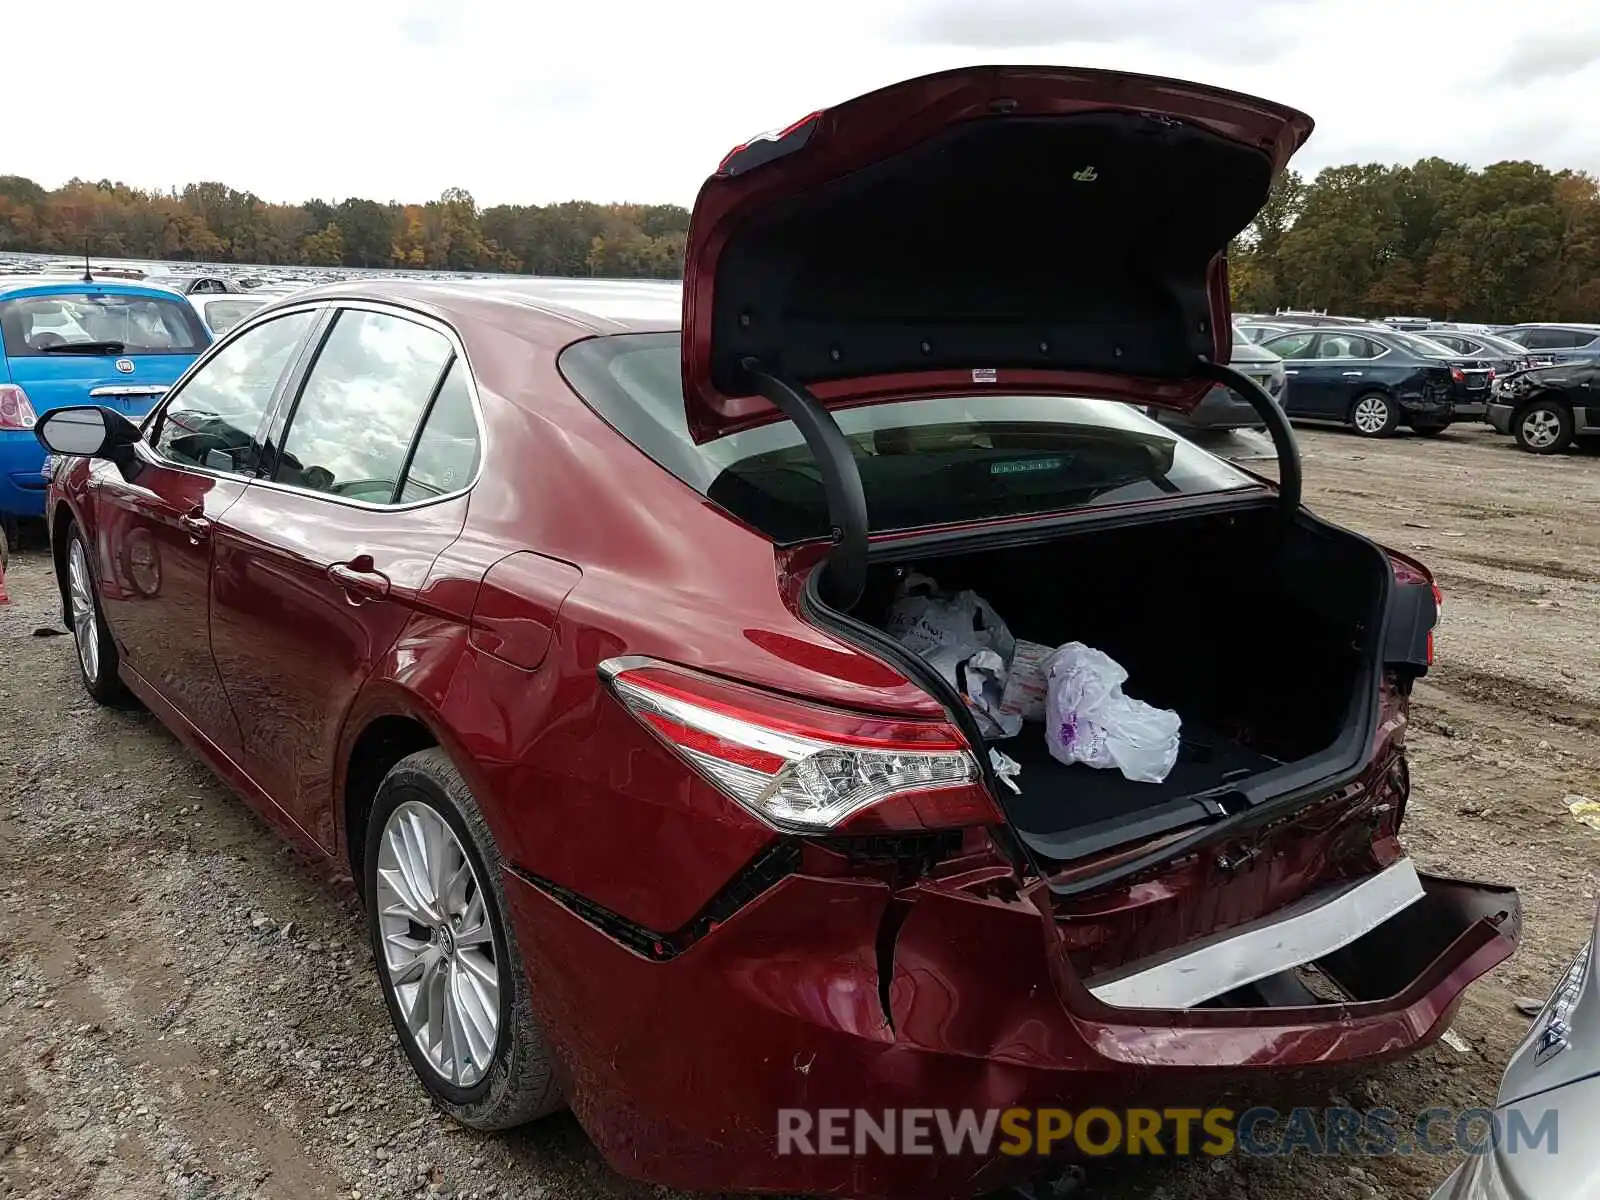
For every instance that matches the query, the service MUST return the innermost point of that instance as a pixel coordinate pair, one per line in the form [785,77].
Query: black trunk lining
[1257,636]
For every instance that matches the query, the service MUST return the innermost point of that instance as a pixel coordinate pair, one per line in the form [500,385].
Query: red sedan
[572,637]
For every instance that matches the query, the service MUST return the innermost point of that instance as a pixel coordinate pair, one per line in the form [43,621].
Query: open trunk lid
[1033,228]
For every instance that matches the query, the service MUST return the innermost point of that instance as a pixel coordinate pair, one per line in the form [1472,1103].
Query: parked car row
[1537,383]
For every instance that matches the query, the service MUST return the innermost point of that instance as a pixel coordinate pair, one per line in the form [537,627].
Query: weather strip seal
[1309,929]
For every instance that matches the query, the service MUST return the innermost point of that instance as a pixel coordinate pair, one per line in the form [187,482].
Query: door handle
[1348,374]
[1291,371]
[359,579]
[195,525]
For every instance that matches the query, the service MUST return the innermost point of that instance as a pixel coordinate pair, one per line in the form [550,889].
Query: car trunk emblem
[125,365]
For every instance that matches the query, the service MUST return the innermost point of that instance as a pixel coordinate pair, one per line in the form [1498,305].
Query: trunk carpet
[1056,798]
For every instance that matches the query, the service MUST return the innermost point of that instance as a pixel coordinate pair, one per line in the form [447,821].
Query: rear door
[1306,391]
[1347,365]
[321,565]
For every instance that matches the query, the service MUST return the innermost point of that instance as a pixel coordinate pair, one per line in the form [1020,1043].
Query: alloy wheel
[80,593]
[438,944]
[1540,428]
[1372,414]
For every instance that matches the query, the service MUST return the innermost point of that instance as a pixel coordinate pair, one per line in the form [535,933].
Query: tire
[1543,427]
[1374,414]
[493,1083]
[1429,429]
[97,653]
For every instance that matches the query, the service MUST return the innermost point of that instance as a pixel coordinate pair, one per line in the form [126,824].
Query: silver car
[221,312]
[1548,1106]
[1222,408]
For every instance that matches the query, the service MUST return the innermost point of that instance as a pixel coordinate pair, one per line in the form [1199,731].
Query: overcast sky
[639,99]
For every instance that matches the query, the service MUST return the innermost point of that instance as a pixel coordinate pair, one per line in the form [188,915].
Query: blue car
[73,341]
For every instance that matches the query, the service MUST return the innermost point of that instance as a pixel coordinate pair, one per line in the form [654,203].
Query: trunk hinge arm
[1278,428]
[845,575]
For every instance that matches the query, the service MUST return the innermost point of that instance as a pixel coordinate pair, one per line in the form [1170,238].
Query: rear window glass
[222,315]
[922,462]
[1421,345]
[97,323]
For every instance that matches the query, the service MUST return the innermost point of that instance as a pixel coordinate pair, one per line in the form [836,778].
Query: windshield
[922,462]
[99,323]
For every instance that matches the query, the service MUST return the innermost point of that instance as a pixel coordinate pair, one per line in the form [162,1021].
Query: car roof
[11,284]
[588,306]
[1579,326]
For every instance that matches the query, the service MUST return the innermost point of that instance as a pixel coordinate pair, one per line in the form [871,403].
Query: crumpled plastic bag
[964,639]
[1088,719]
[980,679]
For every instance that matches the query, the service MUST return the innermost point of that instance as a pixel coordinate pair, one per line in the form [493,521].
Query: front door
[319,569]
[1305,393]
[157,520]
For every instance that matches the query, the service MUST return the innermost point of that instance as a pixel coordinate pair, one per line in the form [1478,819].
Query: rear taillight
[1410,573]
[801,767]
[16,412]
[1491,374]
[1458,374]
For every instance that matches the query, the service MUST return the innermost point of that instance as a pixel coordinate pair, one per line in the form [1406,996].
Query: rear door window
[99,323]
[351,430]
[1549,339]
[214,420]
[922,462]
[447,451]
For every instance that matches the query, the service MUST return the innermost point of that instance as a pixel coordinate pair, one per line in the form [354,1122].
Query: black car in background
[1375,379]
[1547,408]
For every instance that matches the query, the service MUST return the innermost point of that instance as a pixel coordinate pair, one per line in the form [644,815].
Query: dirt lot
[185,1011]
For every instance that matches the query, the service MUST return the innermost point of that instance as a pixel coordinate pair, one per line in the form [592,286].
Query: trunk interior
[1263,638]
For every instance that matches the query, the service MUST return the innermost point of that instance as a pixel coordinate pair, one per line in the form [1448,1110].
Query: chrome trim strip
[130,390]
[1315,926]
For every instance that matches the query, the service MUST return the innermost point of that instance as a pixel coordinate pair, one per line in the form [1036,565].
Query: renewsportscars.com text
[1258,1132]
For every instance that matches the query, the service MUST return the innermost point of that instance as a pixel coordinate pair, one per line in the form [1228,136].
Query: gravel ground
[186,1011]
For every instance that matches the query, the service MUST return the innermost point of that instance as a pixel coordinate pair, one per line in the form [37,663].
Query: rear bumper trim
[1316,926]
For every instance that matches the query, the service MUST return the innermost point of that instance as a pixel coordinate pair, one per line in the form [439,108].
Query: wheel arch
[1547,393]
[60,522]
[382,741]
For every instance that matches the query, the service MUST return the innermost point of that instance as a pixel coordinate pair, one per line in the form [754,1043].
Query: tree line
[212,222]
[1511,242]
[1514,241]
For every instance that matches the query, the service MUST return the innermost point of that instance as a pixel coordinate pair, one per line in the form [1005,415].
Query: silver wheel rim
[438,944]
[84,630]
[1540,428]
[1372,414]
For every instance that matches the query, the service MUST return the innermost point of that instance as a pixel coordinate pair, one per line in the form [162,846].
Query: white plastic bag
[965,640]
[1088,720]
[924,616]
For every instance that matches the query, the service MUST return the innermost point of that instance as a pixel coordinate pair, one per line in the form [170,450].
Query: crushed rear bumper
[828,993]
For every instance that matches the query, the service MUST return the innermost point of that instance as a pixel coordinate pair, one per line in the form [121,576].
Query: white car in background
[220,312]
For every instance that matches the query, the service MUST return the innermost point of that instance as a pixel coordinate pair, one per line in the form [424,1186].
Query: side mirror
[87,430]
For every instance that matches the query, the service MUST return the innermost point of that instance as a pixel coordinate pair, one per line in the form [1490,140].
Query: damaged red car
[557,614]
